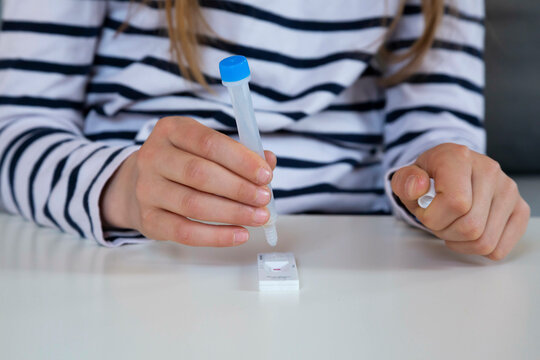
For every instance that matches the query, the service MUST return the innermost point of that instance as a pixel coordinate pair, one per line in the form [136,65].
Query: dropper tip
[271,235]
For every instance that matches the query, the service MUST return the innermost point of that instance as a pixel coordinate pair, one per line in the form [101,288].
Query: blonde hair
[184,19]
[433,12]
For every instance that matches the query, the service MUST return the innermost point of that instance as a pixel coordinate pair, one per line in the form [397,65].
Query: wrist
[115,203]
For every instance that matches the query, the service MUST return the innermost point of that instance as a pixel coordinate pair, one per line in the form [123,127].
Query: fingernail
[261,216]
[264,176]
[262,197]
[410,184]
[240,237]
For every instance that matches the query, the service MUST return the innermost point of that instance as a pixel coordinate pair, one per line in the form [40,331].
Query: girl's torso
[314,90]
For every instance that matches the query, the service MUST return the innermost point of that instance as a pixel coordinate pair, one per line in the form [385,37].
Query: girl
[352,96]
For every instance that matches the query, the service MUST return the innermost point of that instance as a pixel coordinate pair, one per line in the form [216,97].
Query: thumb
[410,183]
[270,158]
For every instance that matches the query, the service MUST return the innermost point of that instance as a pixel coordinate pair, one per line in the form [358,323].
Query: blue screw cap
[234,68]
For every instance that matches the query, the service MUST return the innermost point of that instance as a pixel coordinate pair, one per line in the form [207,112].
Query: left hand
[478,208]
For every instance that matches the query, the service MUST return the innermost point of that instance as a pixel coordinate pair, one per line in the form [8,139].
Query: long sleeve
[49,172]
[442,102]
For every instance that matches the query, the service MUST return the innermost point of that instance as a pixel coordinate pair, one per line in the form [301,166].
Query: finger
[194,204]
[195,138]
[514,230]
[471,226]
[410,183]
[271,158]
[163,225]
[501,208]
[452,172]
[207,176]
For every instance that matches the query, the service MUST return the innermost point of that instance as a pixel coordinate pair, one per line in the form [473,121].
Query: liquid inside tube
[270,233]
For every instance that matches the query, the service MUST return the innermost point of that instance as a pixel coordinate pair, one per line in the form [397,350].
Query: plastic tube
[235,75]
[425,200]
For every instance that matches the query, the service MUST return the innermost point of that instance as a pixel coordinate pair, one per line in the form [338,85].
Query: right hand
[187,170]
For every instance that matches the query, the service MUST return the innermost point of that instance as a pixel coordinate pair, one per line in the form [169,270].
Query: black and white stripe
[74,93]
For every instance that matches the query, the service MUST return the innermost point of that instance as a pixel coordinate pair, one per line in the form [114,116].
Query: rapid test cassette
[277,272]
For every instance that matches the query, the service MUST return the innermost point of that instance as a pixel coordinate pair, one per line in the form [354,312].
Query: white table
[370,288]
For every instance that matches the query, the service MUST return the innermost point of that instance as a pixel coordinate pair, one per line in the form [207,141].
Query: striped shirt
[77,97]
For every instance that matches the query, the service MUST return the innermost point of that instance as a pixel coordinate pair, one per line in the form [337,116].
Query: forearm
[55,177]
[442,101]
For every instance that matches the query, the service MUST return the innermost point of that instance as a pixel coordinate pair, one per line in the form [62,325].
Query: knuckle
[525,208]
[497,255]
[223,239]
[460,203]
[493,168]
[442,147]
[184,235]
[245,216]
[166,124]
[182,119]
[522,211]
[484,246]
[238,214]
[189,205]
[461,151]
[511,187]
[194,169]
[471,228]
[208,144]
[179,128]
[252,160]
[244,192]
[185,120]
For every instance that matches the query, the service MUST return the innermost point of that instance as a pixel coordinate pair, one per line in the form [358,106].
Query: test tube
[425,200]
[235,75]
